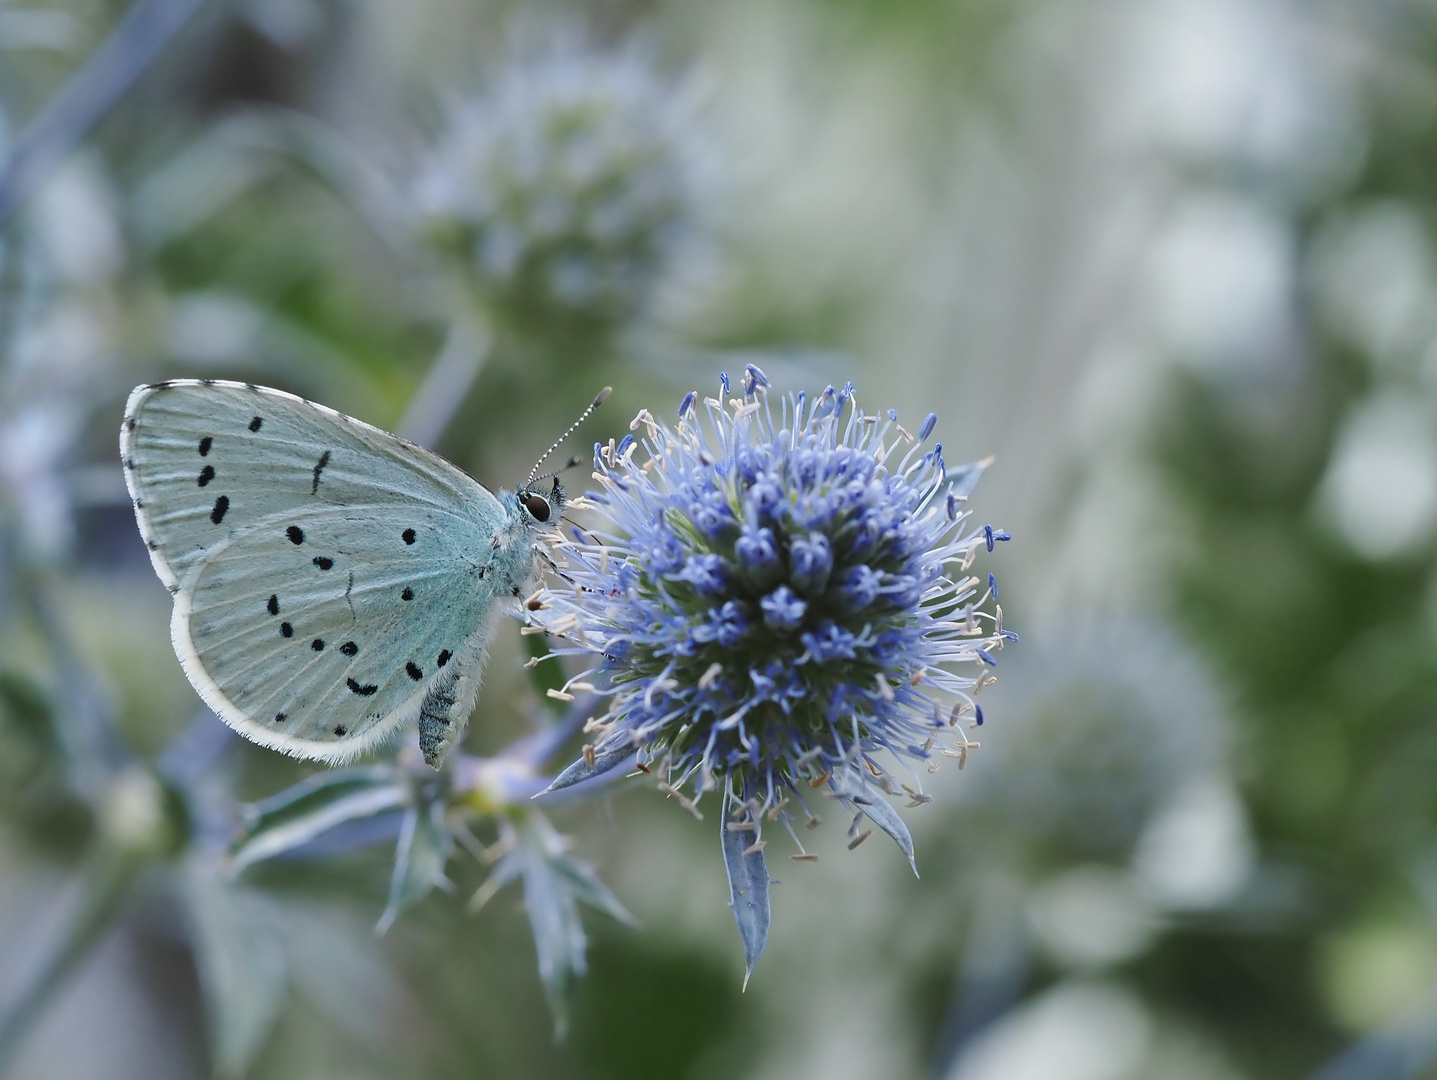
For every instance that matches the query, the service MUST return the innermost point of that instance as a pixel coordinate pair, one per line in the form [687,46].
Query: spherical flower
[781,594]
[568,190]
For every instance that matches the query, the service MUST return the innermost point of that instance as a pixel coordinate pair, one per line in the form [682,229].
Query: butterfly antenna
[573,463]
[599,400]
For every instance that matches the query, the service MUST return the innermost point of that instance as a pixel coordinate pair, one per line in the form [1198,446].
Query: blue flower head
[779,606]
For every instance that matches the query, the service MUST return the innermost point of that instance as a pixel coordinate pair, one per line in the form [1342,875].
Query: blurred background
[1171,261]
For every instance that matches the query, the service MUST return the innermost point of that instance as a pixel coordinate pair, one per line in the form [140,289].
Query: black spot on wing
[322,562]
[295,534]
[256,423]
[129,423]
[340,730]
[413,671]
[273,605]
[152,545]
[222,504]
[205,445]
[408,536]
[318,468]
[407,594]
[129,463]
[349,648]
[362,691]
[444,658]
[317,644]
[279,718]
[207,382]
[163,384]
[206,475]
[286,630]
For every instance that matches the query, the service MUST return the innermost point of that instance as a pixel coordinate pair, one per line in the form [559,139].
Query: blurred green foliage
[1201,827]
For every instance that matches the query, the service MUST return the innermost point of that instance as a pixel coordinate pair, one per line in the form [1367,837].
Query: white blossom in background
[1090,1030]
[1380,490]
[1073,1032]
[1222,286]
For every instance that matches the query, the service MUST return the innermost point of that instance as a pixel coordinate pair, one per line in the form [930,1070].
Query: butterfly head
[542,507]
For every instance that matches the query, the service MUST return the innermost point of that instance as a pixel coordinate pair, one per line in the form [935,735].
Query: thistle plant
[428,817]
[567,191]
[777,605]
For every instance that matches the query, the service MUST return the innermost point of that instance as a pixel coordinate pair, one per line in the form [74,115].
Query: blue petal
[964,478]
[850,784]
[748,890]
[609,754]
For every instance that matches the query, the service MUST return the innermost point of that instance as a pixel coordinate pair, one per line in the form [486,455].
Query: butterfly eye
[537,505]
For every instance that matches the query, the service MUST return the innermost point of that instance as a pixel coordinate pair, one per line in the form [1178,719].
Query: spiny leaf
[296,816]
[609,754]
[849,784]
[748,883]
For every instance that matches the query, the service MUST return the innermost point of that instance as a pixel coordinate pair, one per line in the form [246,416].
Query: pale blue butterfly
[332,582]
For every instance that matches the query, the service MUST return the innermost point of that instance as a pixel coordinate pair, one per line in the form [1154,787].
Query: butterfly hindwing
[332,582]
[325,647]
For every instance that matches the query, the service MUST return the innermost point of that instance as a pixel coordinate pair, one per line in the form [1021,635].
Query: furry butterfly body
[332,582]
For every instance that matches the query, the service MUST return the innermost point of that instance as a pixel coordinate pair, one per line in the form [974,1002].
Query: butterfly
[332,582]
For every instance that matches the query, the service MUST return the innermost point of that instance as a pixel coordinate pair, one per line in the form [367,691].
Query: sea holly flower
[777,607]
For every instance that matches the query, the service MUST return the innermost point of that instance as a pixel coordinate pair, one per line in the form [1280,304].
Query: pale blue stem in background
[994,970]
[438,398]
[104,78]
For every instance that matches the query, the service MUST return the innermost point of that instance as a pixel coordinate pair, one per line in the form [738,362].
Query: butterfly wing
[332,582]
[205,459]
[325,647]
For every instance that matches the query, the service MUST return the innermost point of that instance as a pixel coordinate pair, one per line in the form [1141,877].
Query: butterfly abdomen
[436,719]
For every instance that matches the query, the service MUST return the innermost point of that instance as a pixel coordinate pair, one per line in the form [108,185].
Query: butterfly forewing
[206,459]
[332,581]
